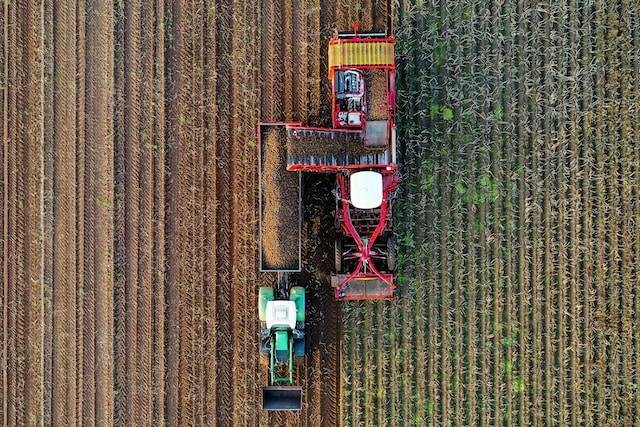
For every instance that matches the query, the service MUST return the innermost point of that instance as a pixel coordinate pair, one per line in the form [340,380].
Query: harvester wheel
[338,255]
[265,294]
[391,253]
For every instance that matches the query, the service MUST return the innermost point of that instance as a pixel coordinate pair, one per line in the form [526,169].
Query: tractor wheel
[265,294]
[338,255]
[298,348]
[391,253]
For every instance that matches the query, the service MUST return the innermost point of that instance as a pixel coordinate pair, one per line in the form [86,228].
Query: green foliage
[408,240]
[518,385]
[429,407]
[439,54]
[428,181]
[447,114]
[434,110]
[507,367]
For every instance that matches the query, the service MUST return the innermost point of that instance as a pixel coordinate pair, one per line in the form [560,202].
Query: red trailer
[360,148]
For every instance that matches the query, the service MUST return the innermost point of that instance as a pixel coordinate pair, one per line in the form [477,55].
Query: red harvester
[360,148]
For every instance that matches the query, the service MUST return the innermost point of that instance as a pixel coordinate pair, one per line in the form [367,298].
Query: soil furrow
[64,225]
[119,274]
[81,149]
[175,116]
[5,218]
[99,140]
[224,215]
[144,336]
[208,201]
[159,273]
[132,148]
[239,284]
[48,209]
[33,170]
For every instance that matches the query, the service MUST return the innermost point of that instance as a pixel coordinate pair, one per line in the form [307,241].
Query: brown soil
[280,209]
[130,211]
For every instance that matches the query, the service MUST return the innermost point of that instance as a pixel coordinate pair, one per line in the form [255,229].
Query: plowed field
[130,214]
[129,194]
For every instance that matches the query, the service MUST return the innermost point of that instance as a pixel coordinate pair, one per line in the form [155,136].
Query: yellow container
[348,53]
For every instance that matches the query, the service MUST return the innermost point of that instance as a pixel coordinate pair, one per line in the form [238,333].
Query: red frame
[389,171]
[364,254]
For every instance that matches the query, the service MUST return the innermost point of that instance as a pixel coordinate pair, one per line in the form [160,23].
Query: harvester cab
[282,340]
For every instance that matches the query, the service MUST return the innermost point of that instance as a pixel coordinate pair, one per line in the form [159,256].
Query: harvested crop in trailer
[280,205]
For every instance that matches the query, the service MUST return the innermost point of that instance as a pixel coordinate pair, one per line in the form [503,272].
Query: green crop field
[518,217]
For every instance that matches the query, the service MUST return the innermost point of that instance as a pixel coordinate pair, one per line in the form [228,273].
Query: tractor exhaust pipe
[281,398]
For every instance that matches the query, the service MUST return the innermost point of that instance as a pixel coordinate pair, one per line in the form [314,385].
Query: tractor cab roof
[281,314]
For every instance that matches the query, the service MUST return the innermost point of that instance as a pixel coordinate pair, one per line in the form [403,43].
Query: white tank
[366,189]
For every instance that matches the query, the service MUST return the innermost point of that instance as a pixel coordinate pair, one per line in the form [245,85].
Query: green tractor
[282,340]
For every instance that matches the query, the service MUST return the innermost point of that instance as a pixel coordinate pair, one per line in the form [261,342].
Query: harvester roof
[362,52]
[281,313]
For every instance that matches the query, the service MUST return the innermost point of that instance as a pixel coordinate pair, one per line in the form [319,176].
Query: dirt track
[129,191]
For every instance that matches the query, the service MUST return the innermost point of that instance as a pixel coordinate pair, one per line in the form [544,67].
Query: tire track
[611,144]
[635,66]
[501,368]
[119,299]
[159,177]
[209,200]
[225,244]
[144,327]
[197,239]
[48,209]
[188,234]
[239,284]
[80,199]
[175,111]
[558,351]
[131,165]
[98,320]
[5,214]
[32,158]
[271,108]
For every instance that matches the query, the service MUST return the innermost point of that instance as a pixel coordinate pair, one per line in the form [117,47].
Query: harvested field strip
[90,315]
[530,250]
